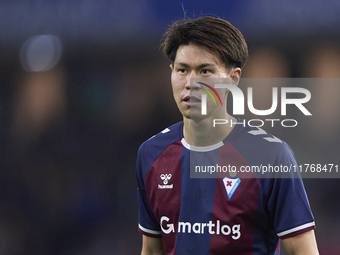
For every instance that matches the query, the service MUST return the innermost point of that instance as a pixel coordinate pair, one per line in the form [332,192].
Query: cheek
[223,93]
[176,83]
[175,90]
[172,77]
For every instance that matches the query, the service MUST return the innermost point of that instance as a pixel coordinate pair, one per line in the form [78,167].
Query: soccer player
[229,215]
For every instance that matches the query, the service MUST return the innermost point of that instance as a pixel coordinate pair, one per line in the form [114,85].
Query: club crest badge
[231,185]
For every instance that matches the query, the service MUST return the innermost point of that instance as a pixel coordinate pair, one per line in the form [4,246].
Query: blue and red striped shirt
[232,213]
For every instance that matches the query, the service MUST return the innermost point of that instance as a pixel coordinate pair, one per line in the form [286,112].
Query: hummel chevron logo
[165,178]
[260,131]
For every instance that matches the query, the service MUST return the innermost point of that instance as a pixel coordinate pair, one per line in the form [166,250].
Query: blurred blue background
[83,84]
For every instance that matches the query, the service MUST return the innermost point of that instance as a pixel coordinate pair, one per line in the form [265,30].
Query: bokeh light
[40,53]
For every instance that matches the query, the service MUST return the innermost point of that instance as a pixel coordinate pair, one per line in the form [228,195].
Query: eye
[206,71]
[181,70]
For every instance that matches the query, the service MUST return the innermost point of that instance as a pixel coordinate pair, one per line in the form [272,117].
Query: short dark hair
[213,33]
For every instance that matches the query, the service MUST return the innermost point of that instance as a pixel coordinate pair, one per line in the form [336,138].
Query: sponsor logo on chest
[211,227]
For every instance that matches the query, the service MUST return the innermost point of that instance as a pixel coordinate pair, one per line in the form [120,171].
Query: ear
[171,67]
[235,75]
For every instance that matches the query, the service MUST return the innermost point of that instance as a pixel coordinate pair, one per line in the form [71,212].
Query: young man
[229,215]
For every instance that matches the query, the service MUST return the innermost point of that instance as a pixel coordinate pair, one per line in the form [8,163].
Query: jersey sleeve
[288,203]
[147,222]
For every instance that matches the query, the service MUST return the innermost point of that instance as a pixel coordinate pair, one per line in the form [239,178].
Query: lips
[191,100]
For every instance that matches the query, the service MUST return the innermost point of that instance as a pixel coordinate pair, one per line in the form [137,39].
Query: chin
[196,118]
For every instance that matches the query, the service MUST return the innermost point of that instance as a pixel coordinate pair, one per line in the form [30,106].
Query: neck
[203,133]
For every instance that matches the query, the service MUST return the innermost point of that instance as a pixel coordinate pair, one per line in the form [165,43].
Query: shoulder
[164,138]
[259,146]
[152,148]
[261,139]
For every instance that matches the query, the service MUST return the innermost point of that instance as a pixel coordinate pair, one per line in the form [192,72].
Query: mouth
[191,100]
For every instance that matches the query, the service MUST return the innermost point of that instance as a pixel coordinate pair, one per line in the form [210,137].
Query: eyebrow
[200,66]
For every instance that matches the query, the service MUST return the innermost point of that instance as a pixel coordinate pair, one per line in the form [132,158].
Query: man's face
[194,61]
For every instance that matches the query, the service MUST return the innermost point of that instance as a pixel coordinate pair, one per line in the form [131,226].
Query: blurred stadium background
[83,84]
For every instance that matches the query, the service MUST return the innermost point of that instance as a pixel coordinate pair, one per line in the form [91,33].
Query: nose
[190,75]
